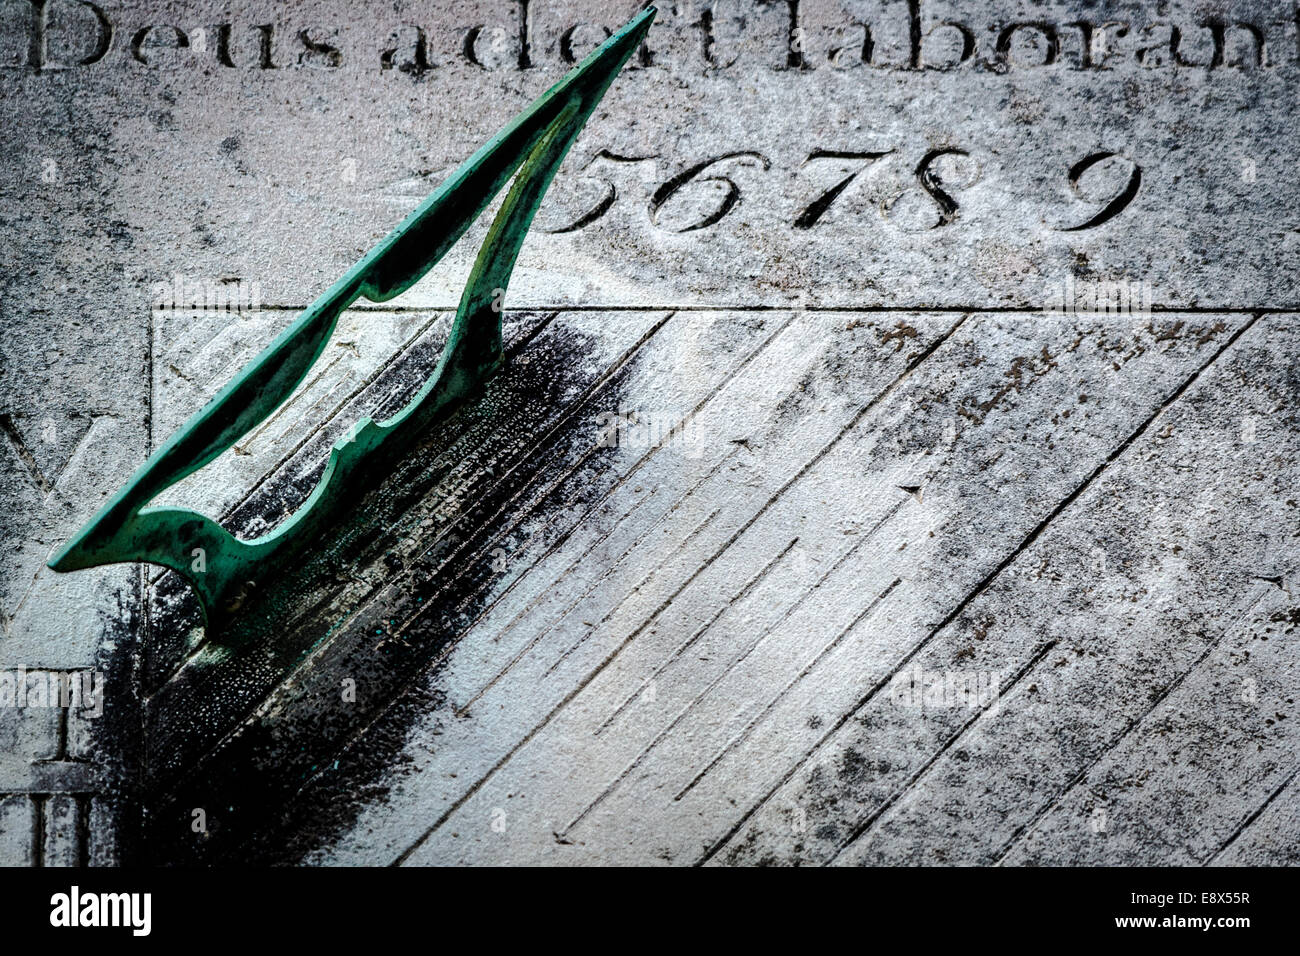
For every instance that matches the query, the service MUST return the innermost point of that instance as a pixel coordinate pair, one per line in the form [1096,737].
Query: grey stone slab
[282,176]
[435,757]
[29,733]
[16,829]
[1109,585]
[784,435]
[61,833]
[1270,838]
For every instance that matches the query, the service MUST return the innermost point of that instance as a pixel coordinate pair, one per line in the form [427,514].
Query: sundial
[219,566]
[529,433]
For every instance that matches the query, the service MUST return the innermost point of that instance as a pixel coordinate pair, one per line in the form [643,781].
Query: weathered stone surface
[169,161]
[795,530]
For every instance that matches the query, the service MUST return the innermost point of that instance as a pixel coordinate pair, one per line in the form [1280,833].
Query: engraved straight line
[1134,722]
[635,590]
[538,497]
[745,731]
[601,502]
[290,403]
[540,597]
[603,577]
[361,387]
[315,429]
[600,540]
[681,648]
[29,460]
[737,597]
[512,349]
[582,556]
[870,821]
[599,580]
[781,307]
[10,429]
[8,617]
[344,382]
[61,734]
[517,342]
[825,450]
[1246,823]
[979,588]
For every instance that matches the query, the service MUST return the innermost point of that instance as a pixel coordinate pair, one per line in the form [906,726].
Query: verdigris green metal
[220,567]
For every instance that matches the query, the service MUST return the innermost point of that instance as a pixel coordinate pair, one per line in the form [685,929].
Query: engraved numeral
[817,208]
[694,175]
[609,192]
[1115,204]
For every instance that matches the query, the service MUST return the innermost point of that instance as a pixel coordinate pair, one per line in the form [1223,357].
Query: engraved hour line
[595,584]
[690,641]
[743,734]
[699,528]
[744,592]
[865,824]
[529,607]
[729,669]
[1253,816]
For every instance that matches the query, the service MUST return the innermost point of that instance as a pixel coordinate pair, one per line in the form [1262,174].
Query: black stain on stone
[297,776]
[117,743]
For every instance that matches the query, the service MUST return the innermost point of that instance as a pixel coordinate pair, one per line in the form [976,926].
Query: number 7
[817,208]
